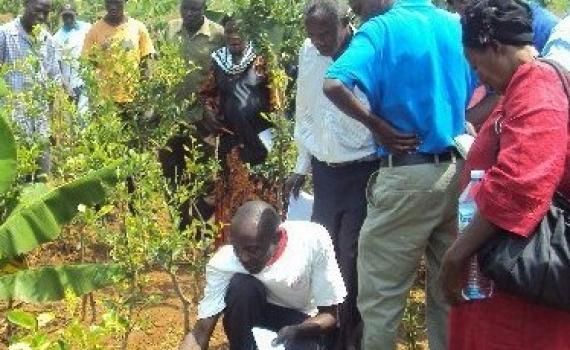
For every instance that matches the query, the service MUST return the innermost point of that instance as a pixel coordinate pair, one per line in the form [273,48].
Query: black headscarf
[506,21]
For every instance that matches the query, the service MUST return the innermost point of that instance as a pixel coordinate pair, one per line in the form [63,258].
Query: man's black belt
[418,158]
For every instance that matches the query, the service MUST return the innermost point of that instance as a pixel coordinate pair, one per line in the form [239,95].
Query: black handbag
[537,267]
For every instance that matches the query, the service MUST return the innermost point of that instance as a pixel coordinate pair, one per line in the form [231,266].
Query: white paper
[463,144]
[300,208]
[266,137]
[264,338]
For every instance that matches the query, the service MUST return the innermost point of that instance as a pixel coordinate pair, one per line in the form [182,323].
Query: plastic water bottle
[478,286]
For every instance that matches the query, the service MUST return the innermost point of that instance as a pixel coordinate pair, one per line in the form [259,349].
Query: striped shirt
[32,63]
[322,130]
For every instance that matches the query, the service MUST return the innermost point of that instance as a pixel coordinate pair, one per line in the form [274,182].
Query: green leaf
[4,90]
[40,221]
[22,319]
[8,156]
[50,283]
[31,193]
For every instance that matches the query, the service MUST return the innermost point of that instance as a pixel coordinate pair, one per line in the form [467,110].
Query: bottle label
[466,214]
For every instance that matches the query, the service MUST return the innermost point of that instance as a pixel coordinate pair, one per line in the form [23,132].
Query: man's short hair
[331,10]
[261,214]
[269,222]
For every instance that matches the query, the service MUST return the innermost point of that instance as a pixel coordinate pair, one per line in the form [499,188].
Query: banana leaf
[8,165]
[40,221]
[51,283]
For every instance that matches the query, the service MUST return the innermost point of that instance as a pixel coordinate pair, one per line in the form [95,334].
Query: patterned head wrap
[506,21]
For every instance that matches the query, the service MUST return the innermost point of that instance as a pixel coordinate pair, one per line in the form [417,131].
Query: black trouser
[247,307]
[340,206]
[173,161]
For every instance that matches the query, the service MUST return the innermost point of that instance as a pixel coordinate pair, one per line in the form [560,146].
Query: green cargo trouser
[411,211]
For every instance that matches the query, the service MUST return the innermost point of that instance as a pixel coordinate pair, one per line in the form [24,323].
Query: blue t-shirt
[543,21]
[410,63]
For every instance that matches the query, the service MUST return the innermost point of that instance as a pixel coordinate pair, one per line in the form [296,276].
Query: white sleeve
[302,105]
[217,283]
[219,271]
[327,284]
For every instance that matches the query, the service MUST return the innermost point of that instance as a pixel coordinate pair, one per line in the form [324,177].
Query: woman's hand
[453,268]
[456,259]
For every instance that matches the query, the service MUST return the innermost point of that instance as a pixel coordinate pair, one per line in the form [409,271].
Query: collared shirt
[196,49]
[118,51]
[410,64]
[69,45]
[321,129]
[16,48]
[558,46]
[304,277]
[543,21]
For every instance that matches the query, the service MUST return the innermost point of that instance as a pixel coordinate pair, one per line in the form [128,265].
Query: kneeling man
[279,276]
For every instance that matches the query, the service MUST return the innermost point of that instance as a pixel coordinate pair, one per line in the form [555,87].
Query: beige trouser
[411,212]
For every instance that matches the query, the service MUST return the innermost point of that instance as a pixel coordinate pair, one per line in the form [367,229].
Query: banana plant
[39,219]
[8,156]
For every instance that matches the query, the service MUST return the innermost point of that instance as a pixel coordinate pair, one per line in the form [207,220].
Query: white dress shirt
[557,47]
[321,129]
[306,275]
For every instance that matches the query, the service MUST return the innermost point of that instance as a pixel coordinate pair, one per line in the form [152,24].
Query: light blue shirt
[410,64]
[69,44]
[558,46]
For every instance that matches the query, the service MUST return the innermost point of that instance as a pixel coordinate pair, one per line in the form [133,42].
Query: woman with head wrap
[236,95]
[523,148]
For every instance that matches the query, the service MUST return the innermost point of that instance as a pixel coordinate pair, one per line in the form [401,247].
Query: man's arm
[199,337]
[383,132]
[322,323]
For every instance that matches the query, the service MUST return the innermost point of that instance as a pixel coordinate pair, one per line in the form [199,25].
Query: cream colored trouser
[411,212]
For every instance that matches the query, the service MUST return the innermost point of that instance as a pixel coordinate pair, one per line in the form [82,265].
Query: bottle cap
[477,174]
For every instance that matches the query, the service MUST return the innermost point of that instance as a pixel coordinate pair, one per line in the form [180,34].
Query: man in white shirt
[279,276]
[557,47]
[69,40]
[339,150]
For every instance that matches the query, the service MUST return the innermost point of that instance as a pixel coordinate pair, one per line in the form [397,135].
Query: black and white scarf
[223,57]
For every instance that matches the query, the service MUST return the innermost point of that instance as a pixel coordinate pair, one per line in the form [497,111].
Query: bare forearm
[479,231]
[199,337]
[323,323]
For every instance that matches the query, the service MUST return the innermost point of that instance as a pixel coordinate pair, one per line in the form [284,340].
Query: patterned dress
[238,94]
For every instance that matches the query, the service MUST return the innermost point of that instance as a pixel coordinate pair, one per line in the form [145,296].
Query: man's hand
[395,141]
[452,274]
[190,343]
[199,337]
[286,335]
[293,184]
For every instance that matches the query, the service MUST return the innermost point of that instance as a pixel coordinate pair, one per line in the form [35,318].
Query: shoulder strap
[563,74]
[559,200]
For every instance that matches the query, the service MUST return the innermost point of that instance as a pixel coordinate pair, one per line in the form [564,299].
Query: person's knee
[245,288]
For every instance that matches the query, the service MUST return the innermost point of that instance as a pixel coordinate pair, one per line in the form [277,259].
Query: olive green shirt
[196,49]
